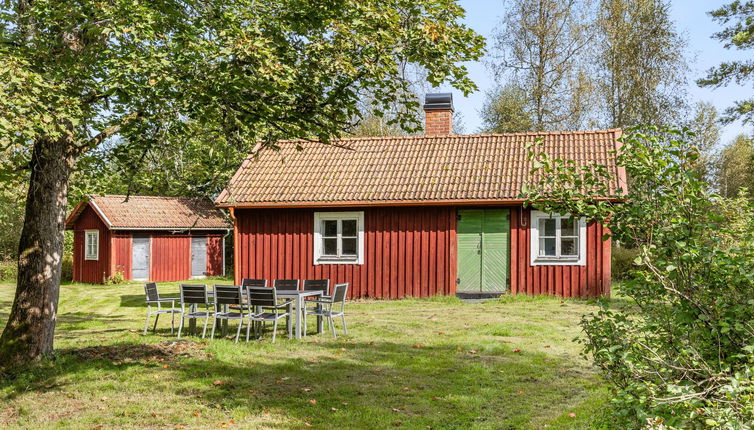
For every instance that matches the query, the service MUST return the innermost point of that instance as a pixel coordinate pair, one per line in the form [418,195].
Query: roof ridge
[454,136]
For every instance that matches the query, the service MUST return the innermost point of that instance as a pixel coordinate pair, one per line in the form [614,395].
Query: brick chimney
[438,113]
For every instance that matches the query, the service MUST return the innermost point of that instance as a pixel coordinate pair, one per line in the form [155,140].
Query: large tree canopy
[74,74]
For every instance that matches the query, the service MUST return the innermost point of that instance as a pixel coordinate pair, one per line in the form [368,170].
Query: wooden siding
[92,271]
[170,258]
[122,254]
[215,249]
[566,281]
[408,251]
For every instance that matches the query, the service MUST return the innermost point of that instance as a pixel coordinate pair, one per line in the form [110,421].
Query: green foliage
[66,270]
[8,270]
[683,359]
[622,260]
[116,278]
[735,168]
[506,111]
[738,17]
[705,124]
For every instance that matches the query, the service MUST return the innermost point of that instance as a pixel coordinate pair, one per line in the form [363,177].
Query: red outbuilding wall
[215,253]
[93,271]
[409,251]
[122,254]
[170,257]
[591,280]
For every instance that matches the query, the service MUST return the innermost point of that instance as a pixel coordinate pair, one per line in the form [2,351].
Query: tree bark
[29,332]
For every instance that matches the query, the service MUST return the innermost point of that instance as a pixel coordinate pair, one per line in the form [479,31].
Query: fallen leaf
[418,345]
[306,423]
[406,389]
[219,383]
[572,415]
[344,403]
[472,351]
[223,425]
[401,407]
[371,343]
[154,415]
[435,398]
[441,333]
[337,354]
[398,423]
[459,348]
[218,406]
[197,414]
[334,409]
[313,401]
[396,410]
[306,390]
[165,366]
[99,427]
[378,370]
[178,426]
[521,391]
[266,412]
[232,421]
[285,378]
[342,349]
[516,351]
[547,346]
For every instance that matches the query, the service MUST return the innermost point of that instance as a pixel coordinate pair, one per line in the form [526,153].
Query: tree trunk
[29,332]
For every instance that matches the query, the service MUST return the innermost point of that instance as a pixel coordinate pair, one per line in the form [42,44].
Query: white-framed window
[91,245]
[338,237]
[557,239]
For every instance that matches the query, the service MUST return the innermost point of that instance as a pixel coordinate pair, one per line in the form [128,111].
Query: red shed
[418,215]
[147,238]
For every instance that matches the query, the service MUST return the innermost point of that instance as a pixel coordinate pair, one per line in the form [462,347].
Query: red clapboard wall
[170,258]
[93,271]
[409,251]
[215,252]
[591,280]
[122,254]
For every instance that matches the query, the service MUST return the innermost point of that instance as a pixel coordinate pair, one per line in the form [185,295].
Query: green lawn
[415,364]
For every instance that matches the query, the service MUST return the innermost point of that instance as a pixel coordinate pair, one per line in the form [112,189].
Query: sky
[691,21]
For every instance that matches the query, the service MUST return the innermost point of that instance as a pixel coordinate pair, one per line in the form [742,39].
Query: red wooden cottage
[147,238]
[418,215]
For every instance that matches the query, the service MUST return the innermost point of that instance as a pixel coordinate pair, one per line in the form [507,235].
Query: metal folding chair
[153,298]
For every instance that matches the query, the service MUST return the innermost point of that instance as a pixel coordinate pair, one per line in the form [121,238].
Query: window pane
[569,227]
[349,246]
[546,227]
[330,247]
[349,227]
[568,247]
[330,228]
[547,246]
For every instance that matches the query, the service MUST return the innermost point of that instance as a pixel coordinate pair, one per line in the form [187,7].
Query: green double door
[483,250]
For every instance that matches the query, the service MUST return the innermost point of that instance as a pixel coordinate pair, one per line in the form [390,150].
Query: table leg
[192,321]
[298,316]
[319,318]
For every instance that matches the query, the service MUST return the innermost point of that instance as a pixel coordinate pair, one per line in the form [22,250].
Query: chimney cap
[438,101]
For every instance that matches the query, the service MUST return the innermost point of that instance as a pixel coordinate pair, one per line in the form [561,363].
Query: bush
[623,262]
[8,270]
[683,356]
[66,270]
[117,278]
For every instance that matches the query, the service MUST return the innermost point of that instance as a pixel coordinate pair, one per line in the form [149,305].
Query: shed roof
[408,170]
[153,213]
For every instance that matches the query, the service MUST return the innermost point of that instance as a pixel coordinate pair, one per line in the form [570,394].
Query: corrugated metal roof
[407,169]
[153,212]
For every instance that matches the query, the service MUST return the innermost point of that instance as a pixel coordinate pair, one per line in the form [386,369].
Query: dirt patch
[128,353]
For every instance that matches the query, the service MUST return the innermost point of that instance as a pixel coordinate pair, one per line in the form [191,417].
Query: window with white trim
[557,239]
[91,245]
[339,238]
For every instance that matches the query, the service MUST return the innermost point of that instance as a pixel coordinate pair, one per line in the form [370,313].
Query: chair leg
[248,329]
[290,331]
[172,323]
[274,329]
[146,326]
[180,326]
[345,327]
[238,333]
[157,318]
[206,322]
[303,328]
[214,323]
[332,326]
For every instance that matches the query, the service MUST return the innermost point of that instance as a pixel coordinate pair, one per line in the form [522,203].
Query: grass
[433,363]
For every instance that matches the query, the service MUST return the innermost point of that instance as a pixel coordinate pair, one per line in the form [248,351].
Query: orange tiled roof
[402,170]
[148,212]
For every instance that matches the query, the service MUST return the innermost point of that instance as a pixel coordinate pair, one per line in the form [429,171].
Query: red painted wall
[93,271]
[170,258]
[215,249]
[567,281]
[409,251]
[122,254]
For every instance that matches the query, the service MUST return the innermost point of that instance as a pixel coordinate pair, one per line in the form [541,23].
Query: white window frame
[557,260]
[319,217]
[88,234]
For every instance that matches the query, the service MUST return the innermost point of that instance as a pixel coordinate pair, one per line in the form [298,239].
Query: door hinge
[458,281]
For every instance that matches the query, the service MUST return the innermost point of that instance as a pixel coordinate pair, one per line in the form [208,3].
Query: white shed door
[198,256]
[140,259]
